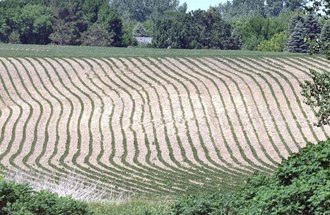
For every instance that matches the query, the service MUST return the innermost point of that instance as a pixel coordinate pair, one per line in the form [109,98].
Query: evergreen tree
[293,23]
[312,27]
[325,33]
[296,42]
[69,23]
[325,39]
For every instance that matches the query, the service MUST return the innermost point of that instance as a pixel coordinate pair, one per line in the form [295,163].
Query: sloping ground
[153,125]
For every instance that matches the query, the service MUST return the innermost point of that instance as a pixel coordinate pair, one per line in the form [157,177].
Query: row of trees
[309,35]
[239,24]
[194,30]
[71,22]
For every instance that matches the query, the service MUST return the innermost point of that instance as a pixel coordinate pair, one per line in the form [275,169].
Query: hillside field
[162,122]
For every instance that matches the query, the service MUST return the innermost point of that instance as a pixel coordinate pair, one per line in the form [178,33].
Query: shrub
[275,44]
[16,199]
[300,185]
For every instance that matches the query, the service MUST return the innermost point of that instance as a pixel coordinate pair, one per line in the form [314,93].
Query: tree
[35,24]
[312,27]
[142,10]
[299,186]
[275,44]
[325,33]
[69,23]
[97,35]
[317,94]
[296,42]
[196,29]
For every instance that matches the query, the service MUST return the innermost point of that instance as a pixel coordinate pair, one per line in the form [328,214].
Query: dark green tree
[196,29]
[142,10]
[297,42]
[325,33]
[35,24]
[312,27]
[294,20]
[69,23]
[97,35]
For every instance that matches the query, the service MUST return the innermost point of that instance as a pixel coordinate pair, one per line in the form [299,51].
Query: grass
[14,50]
[140,206]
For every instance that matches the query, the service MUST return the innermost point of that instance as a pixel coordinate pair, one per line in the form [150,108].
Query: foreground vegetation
[300,185]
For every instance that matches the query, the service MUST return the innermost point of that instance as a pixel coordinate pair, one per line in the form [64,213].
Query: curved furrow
[200,66]
[112,158]
[19,166]
[17,134]
[37,78]
[264,96]
[257,109]
[323,60]
[304,67]
[54,142]
[200,74]
[296,117]
[4,120]
[154,179]
[161,113]
[277,82]
[294,82]
[246,116]
[27,143]
[102,131]
[142,84]
[64,136]
[315,63]
[253,164]
[190,128]
[156,98]
[133,93]
[165,101]
[155,74]
[151,72]
[29,90]
[203,111]
[109,67]
[86,120]
[141,171]
[152,83]
[273,89]
[128,73]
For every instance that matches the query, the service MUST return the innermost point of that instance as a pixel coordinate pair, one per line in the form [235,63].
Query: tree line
[238,24]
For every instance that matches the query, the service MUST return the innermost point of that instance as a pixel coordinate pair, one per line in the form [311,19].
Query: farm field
[153,125]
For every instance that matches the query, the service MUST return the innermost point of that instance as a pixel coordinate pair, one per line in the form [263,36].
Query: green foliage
[69,23]
[312,27]
[143,10]
[248,8]
[16,199]
[300,185]
[325,33]
[25,23]
[194,30]
[317,94]
[97,35]
[275,44]
[297,41]
[155,205]
[35,24]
